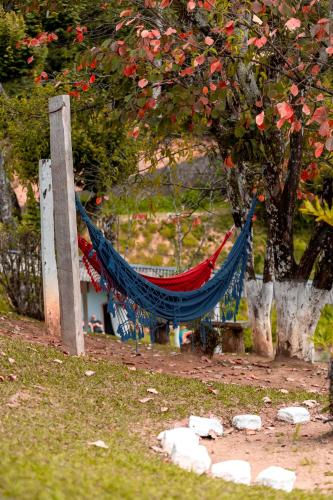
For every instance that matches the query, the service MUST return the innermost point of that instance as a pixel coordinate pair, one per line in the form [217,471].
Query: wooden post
[65,225]
[49,266]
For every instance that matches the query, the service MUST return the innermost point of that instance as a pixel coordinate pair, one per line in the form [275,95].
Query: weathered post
[65,225]
[49,265]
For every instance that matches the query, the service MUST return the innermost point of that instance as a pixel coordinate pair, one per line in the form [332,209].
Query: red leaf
[294,90]
[126,13]
[143,83]
[205,90]
[252,40]
[306,110]
[296,126]
[260,42]
[170,31]
[44,75]
[92,79]
[187,71]
[261,198]
[191,5]
[98,200]
[209,4]
[164,4]
[320,115]
[329,51]
[209,41]
[199,60]
[228,162]
[280,123]
[319,148]
[293,23]
[120,25]
[285,110]
[30,59]
[135,132]
[215,66]
[229,28]
[150,104]
[260,120]
[305,175]
[130,70]
[325,129]
[315,70]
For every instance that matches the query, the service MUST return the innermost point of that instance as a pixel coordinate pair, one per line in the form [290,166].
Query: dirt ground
[308,450]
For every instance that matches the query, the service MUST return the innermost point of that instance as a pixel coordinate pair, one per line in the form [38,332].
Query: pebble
[180,435]
[277,478]
[205,426]
[310,403]
[294,415]
[250,422]
[237,471]
[191,457]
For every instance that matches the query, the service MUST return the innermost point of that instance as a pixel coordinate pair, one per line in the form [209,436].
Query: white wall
[95,303]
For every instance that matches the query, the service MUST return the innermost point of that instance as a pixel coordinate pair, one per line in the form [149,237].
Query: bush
[21,273]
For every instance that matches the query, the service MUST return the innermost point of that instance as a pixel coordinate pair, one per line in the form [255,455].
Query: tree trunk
[259,301]
[6,208]
[330,378]
[298,308]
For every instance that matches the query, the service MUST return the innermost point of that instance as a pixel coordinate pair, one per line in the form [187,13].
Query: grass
[43,439]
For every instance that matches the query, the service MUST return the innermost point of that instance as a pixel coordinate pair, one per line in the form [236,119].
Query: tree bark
[6,207]
[298,306]
[259,297]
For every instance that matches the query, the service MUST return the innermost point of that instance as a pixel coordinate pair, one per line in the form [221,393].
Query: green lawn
[43,438]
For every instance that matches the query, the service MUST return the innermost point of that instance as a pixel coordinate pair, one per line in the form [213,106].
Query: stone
[310,403]
[251,422]
[238,471]
[179,435]
[294,415]
[191,457]
[277,478]
[204,427]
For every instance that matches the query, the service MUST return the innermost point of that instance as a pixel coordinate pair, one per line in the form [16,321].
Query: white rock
[251,422]
[277,478]
[294,415]
[238,471]
[205,426]
[310,403]
[180,435]
[99,444]
[191,457]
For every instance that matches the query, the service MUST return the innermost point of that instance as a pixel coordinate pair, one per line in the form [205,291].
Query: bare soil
[307,449]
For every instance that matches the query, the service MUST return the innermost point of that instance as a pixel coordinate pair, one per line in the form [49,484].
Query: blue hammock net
[140,304]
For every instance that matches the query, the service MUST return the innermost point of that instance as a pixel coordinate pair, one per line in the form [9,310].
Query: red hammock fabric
[192,279]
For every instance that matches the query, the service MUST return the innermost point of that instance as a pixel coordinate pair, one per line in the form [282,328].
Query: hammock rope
[191,279]
[145,302]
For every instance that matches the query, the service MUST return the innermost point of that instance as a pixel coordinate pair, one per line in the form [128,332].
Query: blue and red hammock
[145,302]
[192,279]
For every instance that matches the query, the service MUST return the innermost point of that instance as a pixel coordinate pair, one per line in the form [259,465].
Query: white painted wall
[95,303]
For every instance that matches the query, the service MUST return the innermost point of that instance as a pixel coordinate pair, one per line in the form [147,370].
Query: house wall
[95,303]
